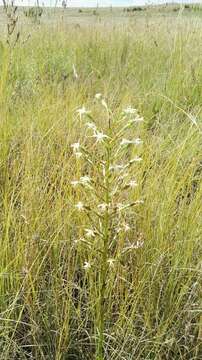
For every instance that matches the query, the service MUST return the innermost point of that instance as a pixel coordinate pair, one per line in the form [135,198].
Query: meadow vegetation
[101,211]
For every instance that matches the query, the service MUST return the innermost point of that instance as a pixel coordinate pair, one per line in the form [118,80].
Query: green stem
[103,274]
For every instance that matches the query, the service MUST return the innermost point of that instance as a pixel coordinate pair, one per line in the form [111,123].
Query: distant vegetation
[186,7]
[34,12]
[133,9]
[195,7]
[166,7]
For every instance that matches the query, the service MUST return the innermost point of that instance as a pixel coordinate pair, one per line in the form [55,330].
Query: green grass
[49,304]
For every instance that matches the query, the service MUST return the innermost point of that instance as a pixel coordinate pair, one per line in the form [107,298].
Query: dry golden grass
[50,303]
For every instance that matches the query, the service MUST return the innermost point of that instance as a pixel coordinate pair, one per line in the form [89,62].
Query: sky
[93,3]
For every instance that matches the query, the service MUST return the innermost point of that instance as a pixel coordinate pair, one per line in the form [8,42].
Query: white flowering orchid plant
[109,160]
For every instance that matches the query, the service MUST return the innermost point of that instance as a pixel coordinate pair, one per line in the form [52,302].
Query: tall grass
[59,298]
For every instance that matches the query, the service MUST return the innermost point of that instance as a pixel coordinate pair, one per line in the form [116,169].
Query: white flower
[74,183]
[78,154]
[126,227]
[87,265]
[139,244]
[111,262]
[98,96]
[193,119]
[129,110]
[82,111]
[90,233]
[91,125]
[137,141]
[85,180]
[132,183]
[80,206]
[75,146]
[100,136]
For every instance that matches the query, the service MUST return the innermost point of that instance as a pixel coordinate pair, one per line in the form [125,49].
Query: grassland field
[100,196]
